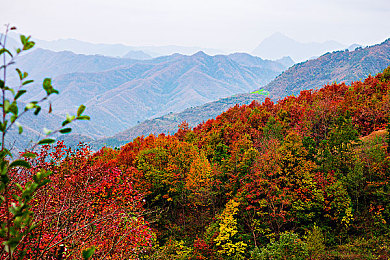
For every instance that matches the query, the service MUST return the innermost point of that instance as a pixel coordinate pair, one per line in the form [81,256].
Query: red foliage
[87,202]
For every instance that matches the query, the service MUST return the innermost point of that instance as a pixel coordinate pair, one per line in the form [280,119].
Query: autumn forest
[306,177]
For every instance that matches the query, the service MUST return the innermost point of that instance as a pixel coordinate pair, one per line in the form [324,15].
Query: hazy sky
[238,25]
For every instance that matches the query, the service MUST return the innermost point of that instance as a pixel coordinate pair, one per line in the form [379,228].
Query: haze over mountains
[121,92]
[273,47]
[120,50]
[278,45]
[137,55]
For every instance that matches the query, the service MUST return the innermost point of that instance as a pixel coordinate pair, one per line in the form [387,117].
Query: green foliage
[289,246]
[273,129]
[386,75]
[87,253]
[261,92]
[315,242]
[337,150]
[173,249]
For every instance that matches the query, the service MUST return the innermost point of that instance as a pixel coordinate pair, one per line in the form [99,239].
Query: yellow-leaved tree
[227,238]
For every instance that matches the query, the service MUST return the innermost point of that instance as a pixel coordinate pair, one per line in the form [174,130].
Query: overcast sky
[238,25]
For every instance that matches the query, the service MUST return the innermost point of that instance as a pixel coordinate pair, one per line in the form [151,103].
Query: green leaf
[47,85]
[3,126]
[23,39]
[20,127]
[20,163]
[29,45]
[4,153]
[20,73]
[47,131]
[65,122]
[46,141]
[87,253]
[80,110]
[2,84]
[29,155]
[27,82]
[31,105]
[10,89]
[4,50]
[13,108]
[20,93]
[68,119]
[37,110]
[83,118]
[65,130]
[6,105]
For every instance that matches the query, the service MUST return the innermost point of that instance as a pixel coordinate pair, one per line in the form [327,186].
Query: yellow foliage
[227,230]
[348,218]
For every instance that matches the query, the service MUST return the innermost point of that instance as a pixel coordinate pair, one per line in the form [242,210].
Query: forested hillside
[304,178]
[168,124]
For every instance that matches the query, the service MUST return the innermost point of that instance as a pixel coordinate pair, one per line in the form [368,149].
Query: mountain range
[120,92]
[120,97]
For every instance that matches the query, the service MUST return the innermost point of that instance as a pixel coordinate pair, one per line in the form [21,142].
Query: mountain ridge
[340,66]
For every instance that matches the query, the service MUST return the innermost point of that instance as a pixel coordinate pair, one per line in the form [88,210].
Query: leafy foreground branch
[17,219]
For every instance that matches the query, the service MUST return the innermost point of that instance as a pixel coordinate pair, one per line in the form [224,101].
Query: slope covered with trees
[307,173]
[304,178]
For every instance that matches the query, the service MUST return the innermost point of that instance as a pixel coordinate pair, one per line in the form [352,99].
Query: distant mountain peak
[137,55]
[286,61]
[279,45]
[353,47]
[242,54]
[200,54]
